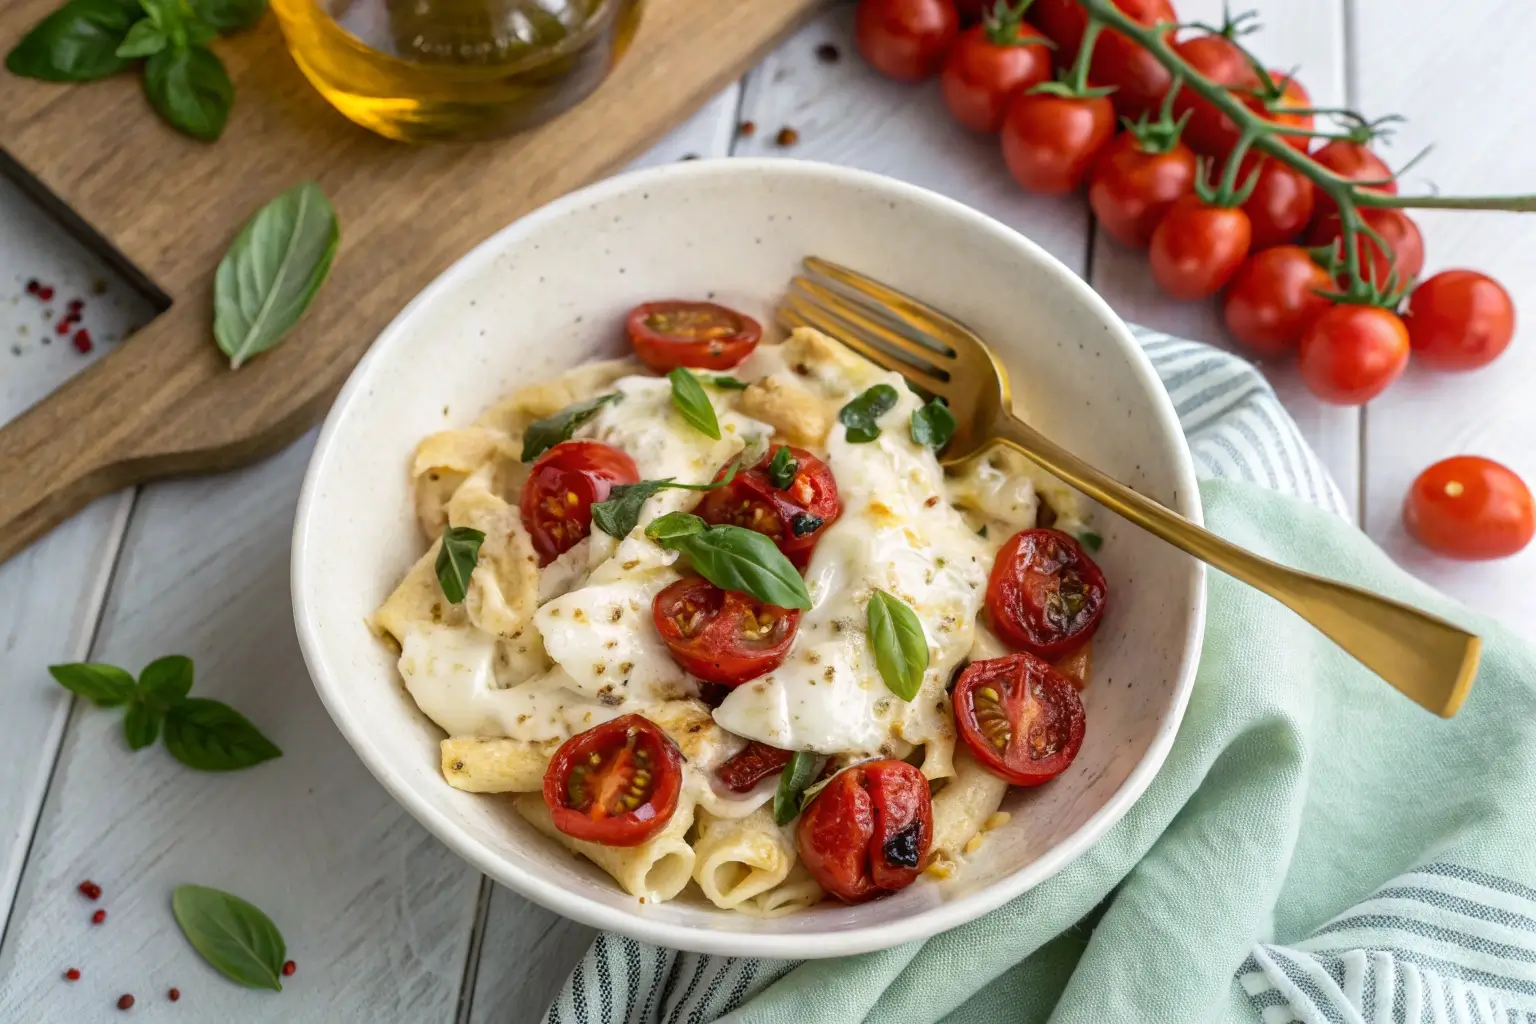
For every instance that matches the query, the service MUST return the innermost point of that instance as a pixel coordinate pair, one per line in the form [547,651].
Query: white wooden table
[386,924]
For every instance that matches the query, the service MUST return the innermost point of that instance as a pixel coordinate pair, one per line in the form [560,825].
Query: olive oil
[445,70]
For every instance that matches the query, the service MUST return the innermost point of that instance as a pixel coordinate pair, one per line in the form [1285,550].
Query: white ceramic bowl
[549,292]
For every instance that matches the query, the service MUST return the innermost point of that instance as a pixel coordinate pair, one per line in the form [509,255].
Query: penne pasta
[797,892]
[478,765]
[656,870]
[964,805]
[739,858]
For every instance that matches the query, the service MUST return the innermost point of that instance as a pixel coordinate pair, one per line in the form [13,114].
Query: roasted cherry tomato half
[868,832]
[722,636]
[1020,718]
[1470,507]
[743,771]
[561,489]
[1459,320]
[615,784]
[794,516]
[1045,594]
[698,335]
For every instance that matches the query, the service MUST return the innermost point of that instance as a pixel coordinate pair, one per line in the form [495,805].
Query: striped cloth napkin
[1315,848]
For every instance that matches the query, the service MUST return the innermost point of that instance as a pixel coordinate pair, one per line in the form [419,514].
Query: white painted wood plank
[1460,74]
[1305,34]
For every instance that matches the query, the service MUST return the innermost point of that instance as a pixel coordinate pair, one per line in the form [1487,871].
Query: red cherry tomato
[563,485]
[1050,141]
[615,784]
[1273,298]
[1355,161]
[700,335]
[1281,203]
[868,832]
[1471,508]
[722,636]
[1218,58]
[1350,353]
[1138,78]
[1045,594]
[1459,320]
[1197,247]
[1021,718]
[1286,107]
[1404,250]
[986,67]
[905,39]
[1131,189]
[743,771]
[795,517]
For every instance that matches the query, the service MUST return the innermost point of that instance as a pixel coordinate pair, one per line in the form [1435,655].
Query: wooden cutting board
[165,401]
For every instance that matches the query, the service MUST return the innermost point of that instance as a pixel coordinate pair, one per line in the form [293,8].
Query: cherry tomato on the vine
[1198,247]
[905,39]
[616,784]
[1138,78]
[1470,507]
[986,66]
[1355,161]
[1049,141]
[563,485]
[1459,320]
[1130,189]
[1351,353]
[1273,298]
[1281,203]
[1404,250]
[1286,108]
[868,832]
[1219,59]
[1022,720]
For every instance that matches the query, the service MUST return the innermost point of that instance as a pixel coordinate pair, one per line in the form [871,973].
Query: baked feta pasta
[717,615]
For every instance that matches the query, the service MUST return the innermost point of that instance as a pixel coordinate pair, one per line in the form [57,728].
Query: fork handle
[1428,659]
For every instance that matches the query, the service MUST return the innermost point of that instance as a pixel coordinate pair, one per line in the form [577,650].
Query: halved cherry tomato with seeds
[794,517]
[1470,507]
[616,784]
[743,771]
[698,335]
[563,485]
[868,832]
[1021,718]
[722,636]
[1045,594]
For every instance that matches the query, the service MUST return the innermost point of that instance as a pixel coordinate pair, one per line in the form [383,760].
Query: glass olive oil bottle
[447,70]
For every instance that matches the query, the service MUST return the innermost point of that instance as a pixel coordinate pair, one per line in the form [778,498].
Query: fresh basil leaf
[76,43]
[804,523]
[783,468]
[166,680]
[456,561]
[691,401]
[797,775]
[723,382]
[106,686]
[214,737]
[933,425]
[229,15]
[981,531]
[189,87]
[618,516]
[234,937]
[544,434]
[733,558]
[272,271]
[141,725]
[674,527]
[144,39]
[860,415]
[901,648]
[1090,540]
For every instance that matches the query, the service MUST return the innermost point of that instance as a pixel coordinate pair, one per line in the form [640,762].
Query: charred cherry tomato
[1197,247]
[1045,595]
[1021,718]
[1470,507]
[722,636]
[794,517]
[1404,250]
[1274,296]
[1355,161]
[868,832]
[561,489]
[745,770]
[905,39]
[1281,203]
[615,784]
[698,335]
[987,65]
[1050,141]
[1350,353]
[1138,78]
[1131,188]
[1459,320]
[1218,58]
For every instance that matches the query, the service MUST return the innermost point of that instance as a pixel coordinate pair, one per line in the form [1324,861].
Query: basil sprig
[933,425]
[189,88]
[76,43]
[618,515]
[456,561]
[236,938]
[860,415]
[901,648]
[788,799]
[783,467]
[544,434]
[733,558]
[200,733]
[693,404]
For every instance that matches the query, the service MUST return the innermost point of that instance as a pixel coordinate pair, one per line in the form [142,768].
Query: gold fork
[1431,661]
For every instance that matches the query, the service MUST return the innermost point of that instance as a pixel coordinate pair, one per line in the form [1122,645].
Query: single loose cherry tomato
[563,485]
[868,831]
[744,770]
[1218,58]
[1045,594]
[722,636]
[795,517]
[616,784]
[1459,320]
[1130,189]
[700,335]
[1404,244]
[1274,297]
[1351,353]
[905,39]
[1471,508]
[1196,247]
[1021,718]
[1050,141]
[1281,203]
[1138,78]
[1355,161]
[987,66]
[1287,105]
